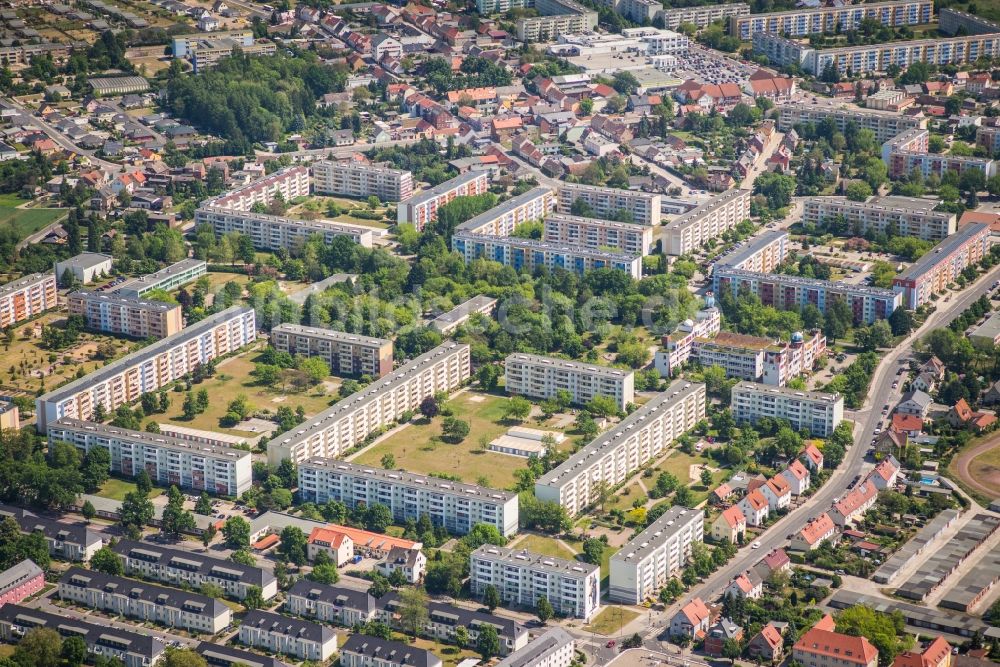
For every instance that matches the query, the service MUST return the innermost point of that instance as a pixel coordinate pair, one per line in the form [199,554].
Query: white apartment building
[606,202]
[185,568]
[143,601]
[272,232]
[884,124]
[289,183]
[521,577]
[553,648]
[359,180]
[351,420]
[224,471]
[901,216]
[445,323]
[806,21]
[154,366]
[530,254]
[688,232]
[345,353]
[27,297]
[421,208]
[614,455]
[542,377]
[702,16]
[367,651]
[646,562]
[678,344]
[594,233]
[272,632]
[169,278]
[819,412]
[739,355]
[544,28]
[454,505]
[116,314]
[503,219]
[763,253]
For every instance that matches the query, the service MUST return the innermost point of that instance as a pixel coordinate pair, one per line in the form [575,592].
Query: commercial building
[817,412]
[529,254]
[20,581]
[359,180]
[898,216]
[573,588]
[154,366]
[367,651]
[553,648]
[421,209]
[822,646]
[763,253]
[168,460]
[808,21]
[503,219]
[272,632]
[351,420]
[607,203]
[115,314]
[446,323]
[118,85]
[594,233]
[133,649]
[690,231]
[272,232]
[941,266]
[616,454]
[66,541]
[27,297]
[542,377]
[345,353]
[454,505]
[184,567]
[884,124]
[678,344]
[557,17]
[146,602]
[166,279]
[868,304]
[84,267]
[646,563]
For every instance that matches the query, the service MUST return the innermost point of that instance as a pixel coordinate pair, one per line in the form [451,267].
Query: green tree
[74,651]
[88,511]
[455,430]
[236,532]
[491,597]
[413,614]
[593,550]
[183,657]
[204,505]
[488,642]
[543,609]
[732,649]
[294,545]
[107,561]
[516,408]
[39,647]
[135,514]
[253,599]
[176,519]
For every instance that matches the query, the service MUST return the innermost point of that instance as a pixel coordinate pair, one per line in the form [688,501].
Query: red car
[610,644]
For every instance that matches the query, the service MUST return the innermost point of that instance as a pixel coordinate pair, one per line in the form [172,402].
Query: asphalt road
[63,142]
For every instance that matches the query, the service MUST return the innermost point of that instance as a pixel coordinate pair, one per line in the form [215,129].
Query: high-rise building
[942,265]
[27,297]
[594,233]
[359,180]
[503,219]
[542,377]
[121,315]
[722,212]
[608,203]
[814,411]
[345,353]
[421,209]
[807,21]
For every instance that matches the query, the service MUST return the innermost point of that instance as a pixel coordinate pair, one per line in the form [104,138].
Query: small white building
[85,267]
[522,441]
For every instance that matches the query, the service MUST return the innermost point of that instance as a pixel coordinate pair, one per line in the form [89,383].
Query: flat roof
[167,272]
[597,222]
[801,394]
[611,192]
[146,353]
[152,439]
[330,334]
[529,559]
[700,211]
[407,479]
[442,188]
[988,329]
[943,250]
[755,245]
[502,209]
[533,244]
[567,365]
[466,308]
[124,301]
[831,10]
[86,260]
[21,283]
[532,654]
[674,520]
[361,166]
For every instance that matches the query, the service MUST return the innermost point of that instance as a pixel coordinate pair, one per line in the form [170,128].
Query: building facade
[421,209]
[273,232]
[367,651]
[66,541]
[454,505]
[292,636]
[542,377]
[553,648]
[345,353]
[529,254]
[817,412]
[606,203]
[359,180]
[899,216]
[123,316]
[942,265]
[884,124]
[722,212]
[20,581]
[503,219]
[593,233]
[808,21]
[167,279]
[27,297]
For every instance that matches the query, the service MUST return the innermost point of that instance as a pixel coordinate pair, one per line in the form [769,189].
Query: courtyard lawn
[216,280]
[450,654]
[419,448]
[611,621]
[623,498]
[679,464]
[546,546]
[233,378]
[26,221]
[117,489]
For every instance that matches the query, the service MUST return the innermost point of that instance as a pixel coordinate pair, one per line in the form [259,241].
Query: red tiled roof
[770,634]
[696,611]
[734,516]
[932,656]
[814,454]
[798,470]
[362,538]
[847,648]
[907,422]
[817,529]
[963,410]
[756,500]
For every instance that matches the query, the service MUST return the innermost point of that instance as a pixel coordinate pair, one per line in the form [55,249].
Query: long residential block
[225,471]
[367,651]
[219,655]
[899,216]
[421,209]
[807,21]
[909,152]
[884,124]
[614,455]
[521,577]
[868,304]
[559,17]
[157,365]
[607,203]
[186,568]
[445,323]
[542,377]
[763,253]
[27,297]
[119,596]
[530,255]
[288,183]
[351,420]
[702,16]
[167,279]
[959,50]
[273,232]
[124,316]
[134,649]
[356,179]
[304,640]
[66,541]
[722,212]
[503,219]
[345,353]
[941,266]
[815,411]
[624,237]
[646,563]
[454,505]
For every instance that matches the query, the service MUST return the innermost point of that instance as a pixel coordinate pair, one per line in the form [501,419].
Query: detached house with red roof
[767,645]
[813,458]
[730,525]
[936,654]
[797,476]
[755,508]
[852,506]
[691,621]
[885,473]
[822,646]
[962,415]
[911,425]
[709,96]
[778,492]
[745,585]
[814,533]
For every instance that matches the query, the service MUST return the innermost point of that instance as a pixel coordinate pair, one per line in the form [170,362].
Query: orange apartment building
[115,314]
[27,297]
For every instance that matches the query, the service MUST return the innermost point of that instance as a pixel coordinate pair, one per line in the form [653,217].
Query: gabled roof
[695,611]
[771,636]
[756,500]
[847,648]
[856,498]
[813,454]
[817,529]
[734,516]
[907,422]
[779,486]
[886,468]
[962,410]
[743,583]
[936,651]
[798,470]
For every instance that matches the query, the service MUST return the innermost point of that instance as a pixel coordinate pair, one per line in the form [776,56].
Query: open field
[117,489]
[216,280]
[611,620]
[233,378]
[419,448]
[26,221]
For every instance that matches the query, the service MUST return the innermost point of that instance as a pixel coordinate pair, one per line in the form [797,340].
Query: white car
[755,545]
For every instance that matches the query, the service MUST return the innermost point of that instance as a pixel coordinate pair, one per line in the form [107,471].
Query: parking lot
[708,67]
